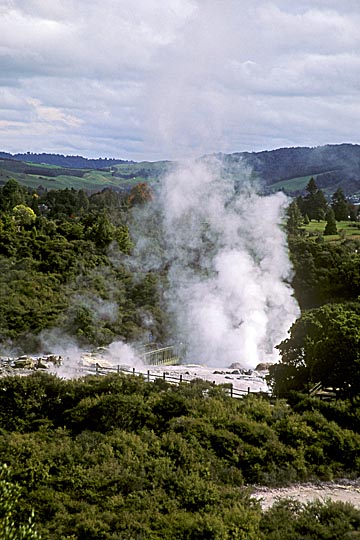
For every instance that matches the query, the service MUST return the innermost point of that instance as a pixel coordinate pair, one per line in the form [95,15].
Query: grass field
[346,230]
[293,184]
[91,180]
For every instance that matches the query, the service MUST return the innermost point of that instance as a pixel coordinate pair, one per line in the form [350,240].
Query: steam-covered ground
[241,380]
[102,362]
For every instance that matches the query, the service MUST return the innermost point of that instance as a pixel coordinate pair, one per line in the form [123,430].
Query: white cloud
[155,80]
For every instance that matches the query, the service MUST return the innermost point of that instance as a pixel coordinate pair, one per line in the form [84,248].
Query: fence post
[96,368]
[133,371]
[118,370]
[148,376]
[181,377]
[248,389]
[164,376]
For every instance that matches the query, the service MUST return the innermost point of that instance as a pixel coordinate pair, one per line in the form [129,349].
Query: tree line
[314,206]
[62,266]
[324,343]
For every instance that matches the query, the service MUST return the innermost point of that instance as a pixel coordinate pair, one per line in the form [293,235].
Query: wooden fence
[172,379]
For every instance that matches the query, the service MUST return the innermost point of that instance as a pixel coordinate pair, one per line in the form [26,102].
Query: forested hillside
[59,160]
[61,256]
[333,166]
[287,169]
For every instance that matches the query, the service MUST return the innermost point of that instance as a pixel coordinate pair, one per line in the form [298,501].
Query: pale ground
[345,491]
[242,383]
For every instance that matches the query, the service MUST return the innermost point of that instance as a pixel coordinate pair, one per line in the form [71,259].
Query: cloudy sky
[153,79]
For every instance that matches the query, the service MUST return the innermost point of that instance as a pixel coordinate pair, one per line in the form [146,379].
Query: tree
[311,187]
[294,220]
[10,528]
[320,205]
[102,231]
[23,215]
[11,194]
[340,205]
[139,194]
[324,346]
[330,227]
[314,205]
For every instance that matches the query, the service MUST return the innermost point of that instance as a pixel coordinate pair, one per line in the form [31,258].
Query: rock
[236,365]
[263,366]
[42,364]
[54,359]
[24,362]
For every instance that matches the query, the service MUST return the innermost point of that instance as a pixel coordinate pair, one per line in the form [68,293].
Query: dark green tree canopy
[340,205]
[330,227]
[314,204]
[294,219]
[324,346]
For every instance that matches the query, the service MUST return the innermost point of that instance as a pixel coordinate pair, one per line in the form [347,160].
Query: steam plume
[227,261]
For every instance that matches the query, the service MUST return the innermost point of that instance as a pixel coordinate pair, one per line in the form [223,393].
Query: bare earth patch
[343,490]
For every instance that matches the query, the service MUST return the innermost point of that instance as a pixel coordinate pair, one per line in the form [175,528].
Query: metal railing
[164,356]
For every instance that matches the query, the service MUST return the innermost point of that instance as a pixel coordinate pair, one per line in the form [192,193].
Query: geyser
[228,295]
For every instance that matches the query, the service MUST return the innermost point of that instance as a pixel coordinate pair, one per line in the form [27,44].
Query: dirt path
[345,491]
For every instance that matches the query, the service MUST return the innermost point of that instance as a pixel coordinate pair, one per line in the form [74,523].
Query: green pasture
[346,230]
[93,180]
[43,165]
[292,184]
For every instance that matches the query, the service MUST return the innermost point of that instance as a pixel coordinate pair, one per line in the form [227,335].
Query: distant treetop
[60,160]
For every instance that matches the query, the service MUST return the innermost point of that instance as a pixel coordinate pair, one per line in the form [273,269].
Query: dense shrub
[117,457]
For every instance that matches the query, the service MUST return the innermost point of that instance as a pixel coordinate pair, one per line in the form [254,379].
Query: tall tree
[330,227]
[314,204]
[324,346]
[340,205]
[294,220]
[11,195]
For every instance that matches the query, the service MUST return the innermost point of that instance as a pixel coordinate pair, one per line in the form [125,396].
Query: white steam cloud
[228,266]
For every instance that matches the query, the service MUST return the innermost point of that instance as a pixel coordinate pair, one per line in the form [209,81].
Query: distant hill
[117,174]
[76,162]
[289,169]
[286,169]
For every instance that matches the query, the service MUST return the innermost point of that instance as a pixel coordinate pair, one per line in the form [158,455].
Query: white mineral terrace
[101,363]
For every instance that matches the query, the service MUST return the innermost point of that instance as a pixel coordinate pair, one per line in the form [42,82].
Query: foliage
[340,206]
[13,525]
[61,266]
[314,204]
[325,272]
[324,346]
[117,457]
[330,227]
[294,219]
[316,520]
[23,215]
